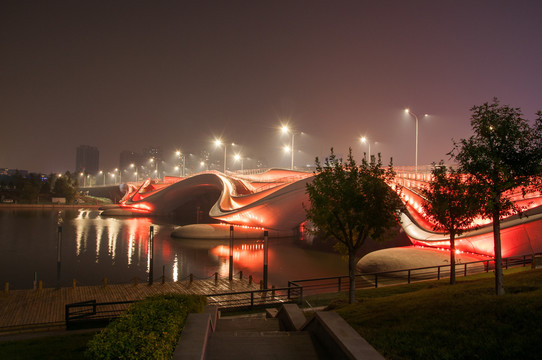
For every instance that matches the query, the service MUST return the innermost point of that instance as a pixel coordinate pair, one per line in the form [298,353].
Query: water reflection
[96,247]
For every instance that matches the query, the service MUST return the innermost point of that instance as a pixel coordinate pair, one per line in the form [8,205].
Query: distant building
[153,159]
[87,159]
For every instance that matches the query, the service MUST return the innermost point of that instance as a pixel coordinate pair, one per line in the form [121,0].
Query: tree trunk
[352,276]
[499,280]
[452,258]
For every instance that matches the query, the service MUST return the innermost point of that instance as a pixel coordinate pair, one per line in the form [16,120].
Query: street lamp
[152,160]
[218,143]
[182,159]
[238,157]
[416,118]
[103,172]
[120,174]
[84,179]
[286,130]
[135,170]
[365,140]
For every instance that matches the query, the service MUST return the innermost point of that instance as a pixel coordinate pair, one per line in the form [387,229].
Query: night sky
[126,75]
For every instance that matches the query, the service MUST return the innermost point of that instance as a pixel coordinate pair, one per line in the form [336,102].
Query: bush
[150,329]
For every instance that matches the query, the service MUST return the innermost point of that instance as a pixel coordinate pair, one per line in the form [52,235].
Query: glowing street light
[219,143]
[366,141]
[120,174]
[238,157]
[286,130]
[132,166]
[102,172]
[415,117]
[182,159]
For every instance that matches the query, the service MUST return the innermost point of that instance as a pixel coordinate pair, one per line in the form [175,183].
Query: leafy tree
[450,205]
[351,203]
[505,153]
[30,192]
[65,186]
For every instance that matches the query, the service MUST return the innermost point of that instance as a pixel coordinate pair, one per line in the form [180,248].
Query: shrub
[150,329]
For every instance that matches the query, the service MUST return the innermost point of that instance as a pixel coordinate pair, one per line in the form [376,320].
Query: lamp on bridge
[416,118]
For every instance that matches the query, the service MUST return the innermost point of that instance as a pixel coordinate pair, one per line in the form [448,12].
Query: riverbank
[50,206]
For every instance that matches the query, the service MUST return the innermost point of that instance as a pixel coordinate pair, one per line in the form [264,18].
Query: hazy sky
[125,75]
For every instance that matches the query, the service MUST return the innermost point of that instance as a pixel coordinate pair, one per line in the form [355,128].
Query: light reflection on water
[95,247]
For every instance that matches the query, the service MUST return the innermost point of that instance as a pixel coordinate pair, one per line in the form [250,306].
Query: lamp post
[416,118]
[182,159]
[218,142]
[103,172]
[154,161]
[365,140]
[120,175]
[237,158]
[286,130]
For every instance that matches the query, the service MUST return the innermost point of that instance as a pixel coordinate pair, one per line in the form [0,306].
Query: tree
[65,186]
[503,154]
[450,205]
[351,203]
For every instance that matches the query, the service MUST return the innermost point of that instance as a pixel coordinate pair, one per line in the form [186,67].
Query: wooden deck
[23,310]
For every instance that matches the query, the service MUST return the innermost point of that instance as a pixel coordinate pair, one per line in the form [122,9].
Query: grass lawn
[71,346]
[433,320]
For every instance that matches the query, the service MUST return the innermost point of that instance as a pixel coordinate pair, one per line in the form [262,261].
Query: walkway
[26,310]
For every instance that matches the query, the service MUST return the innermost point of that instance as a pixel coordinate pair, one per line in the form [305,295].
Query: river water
[95,247]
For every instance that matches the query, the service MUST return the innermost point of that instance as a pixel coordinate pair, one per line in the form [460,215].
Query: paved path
[22,310]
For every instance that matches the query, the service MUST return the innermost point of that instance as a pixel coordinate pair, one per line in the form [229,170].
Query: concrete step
[281,345]
[247,324]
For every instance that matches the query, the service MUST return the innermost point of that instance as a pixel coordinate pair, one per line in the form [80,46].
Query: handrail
[296,289]
[411,274]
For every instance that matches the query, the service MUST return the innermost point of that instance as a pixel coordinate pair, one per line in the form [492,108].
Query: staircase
[284,334]
[258,337]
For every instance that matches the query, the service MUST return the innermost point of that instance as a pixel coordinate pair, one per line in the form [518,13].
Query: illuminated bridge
[273,200]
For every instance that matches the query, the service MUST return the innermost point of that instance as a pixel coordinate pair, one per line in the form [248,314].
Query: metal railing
[405,276]
[92,314]
[251,299]
[87,314]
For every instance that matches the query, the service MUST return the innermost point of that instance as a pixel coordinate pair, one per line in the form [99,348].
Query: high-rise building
[87,159]
[153,158]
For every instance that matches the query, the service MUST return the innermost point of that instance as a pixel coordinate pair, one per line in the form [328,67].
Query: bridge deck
[22,310]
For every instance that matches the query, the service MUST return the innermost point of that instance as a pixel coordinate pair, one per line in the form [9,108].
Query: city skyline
[128,76]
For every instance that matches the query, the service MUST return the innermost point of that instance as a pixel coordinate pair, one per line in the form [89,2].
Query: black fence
[405,276]
[92,314]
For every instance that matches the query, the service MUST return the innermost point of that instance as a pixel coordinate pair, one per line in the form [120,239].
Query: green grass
[433,320]
[426,320]
[63,347]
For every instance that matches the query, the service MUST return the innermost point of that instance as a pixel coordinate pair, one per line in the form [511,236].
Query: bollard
[273,292]
[163,274]
[261,284]
[216,277]
[240,275]
[6,288]
[250,279]
[135,281]
[73,283]
[40,285]
[191,278]
[105,282]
